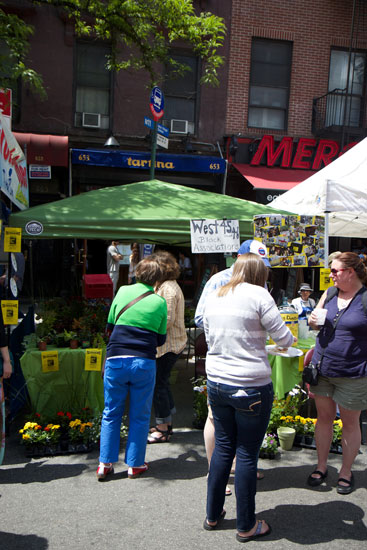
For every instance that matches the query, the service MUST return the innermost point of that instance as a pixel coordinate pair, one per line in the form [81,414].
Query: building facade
[296,90]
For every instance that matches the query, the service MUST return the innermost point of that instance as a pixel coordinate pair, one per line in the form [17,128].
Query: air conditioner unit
[179,126]
[91,120]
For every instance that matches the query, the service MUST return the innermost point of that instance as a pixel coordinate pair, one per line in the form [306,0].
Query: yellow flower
[75,423]
[55,427]
[25,436]
[21,431]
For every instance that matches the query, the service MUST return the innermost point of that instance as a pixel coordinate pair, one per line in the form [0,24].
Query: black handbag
[311,373]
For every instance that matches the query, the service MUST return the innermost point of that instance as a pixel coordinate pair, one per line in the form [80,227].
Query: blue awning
[141,161]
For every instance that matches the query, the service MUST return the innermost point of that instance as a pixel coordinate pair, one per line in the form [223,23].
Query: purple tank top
[346,350]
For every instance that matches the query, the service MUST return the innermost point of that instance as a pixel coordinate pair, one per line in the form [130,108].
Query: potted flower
[71,337]
[337,436]
[40,441]
[269,446]
[309,430]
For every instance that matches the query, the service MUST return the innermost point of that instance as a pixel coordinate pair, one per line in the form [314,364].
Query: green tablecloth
[287,371]
[69,389]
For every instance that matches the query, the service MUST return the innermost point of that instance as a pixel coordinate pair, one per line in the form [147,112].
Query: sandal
[209,527]
[228,491]
[315,481]
[160,436]
[345,489]
[256,535]
[156,429]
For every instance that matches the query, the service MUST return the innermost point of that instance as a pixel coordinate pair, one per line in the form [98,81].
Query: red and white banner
[13,168]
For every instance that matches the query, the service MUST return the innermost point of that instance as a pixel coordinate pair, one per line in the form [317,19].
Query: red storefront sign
[310,154]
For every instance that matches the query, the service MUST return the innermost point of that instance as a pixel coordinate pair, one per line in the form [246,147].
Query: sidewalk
[57,503]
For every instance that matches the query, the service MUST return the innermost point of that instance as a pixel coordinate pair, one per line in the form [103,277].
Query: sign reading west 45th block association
[212,236]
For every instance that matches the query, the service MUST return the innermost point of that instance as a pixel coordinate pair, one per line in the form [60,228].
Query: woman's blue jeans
[241,416]
[164,405]
[134,376]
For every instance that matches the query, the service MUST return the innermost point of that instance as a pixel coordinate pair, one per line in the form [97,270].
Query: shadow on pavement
[37,472]
[11,541]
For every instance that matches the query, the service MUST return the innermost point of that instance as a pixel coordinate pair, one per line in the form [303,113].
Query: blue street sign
[148,122]
[157,102]
[161,129]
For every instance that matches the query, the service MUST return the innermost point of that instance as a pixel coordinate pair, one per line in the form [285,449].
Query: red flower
[47,429]
[69,415]
[38,415]
[60,413]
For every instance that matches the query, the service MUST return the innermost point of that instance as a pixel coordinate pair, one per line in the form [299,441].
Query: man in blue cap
[218,280]
[223,277]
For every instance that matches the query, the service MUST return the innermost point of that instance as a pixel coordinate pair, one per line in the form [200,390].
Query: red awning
[44,149]
[263,177]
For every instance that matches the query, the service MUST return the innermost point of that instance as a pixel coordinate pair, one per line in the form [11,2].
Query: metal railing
[328,111]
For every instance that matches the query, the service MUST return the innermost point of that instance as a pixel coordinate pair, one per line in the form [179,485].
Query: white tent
[339,191]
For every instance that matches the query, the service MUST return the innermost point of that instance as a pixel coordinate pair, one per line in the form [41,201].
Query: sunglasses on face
[334,271]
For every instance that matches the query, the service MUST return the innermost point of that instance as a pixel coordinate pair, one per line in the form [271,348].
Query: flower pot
[308,440]
[74,344]
[286,437]
[298,440]
[42,346]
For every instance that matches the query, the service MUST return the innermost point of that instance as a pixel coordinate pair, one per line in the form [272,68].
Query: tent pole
[225,179]
[70,175]
[326,247]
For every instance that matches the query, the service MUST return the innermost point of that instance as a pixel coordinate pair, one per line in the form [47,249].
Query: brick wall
[313,27]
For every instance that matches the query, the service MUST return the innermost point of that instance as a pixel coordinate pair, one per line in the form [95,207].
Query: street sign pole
[153,151]
[156,108]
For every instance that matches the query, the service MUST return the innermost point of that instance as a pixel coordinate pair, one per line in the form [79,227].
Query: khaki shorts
[349,393]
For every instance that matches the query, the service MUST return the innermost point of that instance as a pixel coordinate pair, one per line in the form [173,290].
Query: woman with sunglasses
[342,349]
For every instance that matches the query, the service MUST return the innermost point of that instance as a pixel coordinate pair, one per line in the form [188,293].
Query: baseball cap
[256,247]
[305,286]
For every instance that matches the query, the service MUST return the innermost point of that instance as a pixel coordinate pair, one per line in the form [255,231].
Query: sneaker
[104,470]
[136,471]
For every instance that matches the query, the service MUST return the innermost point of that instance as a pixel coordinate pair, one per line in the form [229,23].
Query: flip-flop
[315,481]
[259,475]
[256,535]
[209,527]
[228,491]
[345,489]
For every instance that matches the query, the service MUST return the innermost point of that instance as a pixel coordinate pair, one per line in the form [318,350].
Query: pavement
[56,503]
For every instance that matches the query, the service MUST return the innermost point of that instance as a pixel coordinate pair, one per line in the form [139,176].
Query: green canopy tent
[149,212]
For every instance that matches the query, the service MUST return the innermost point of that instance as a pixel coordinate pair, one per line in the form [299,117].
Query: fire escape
[340,113]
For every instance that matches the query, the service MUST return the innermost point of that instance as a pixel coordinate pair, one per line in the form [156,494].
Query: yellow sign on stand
[325,281]
[9,309]
[50,361]
[13,239]
[93,359]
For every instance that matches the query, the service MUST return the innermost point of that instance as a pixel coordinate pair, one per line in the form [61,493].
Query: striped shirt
[235,329]
[176,332]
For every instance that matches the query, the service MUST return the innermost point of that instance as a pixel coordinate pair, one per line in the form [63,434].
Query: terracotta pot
[73,344]
[42,346]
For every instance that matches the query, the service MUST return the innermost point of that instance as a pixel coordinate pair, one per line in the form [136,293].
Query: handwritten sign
[93,359]
[213,236]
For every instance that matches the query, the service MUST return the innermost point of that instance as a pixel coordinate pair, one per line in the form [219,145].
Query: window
[180,95]
[271,63]
[337,97]
[93,86]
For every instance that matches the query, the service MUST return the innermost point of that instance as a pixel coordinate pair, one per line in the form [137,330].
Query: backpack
[333,291]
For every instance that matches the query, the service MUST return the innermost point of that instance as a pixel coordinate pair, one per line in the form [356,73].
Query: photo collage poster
[292,241]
